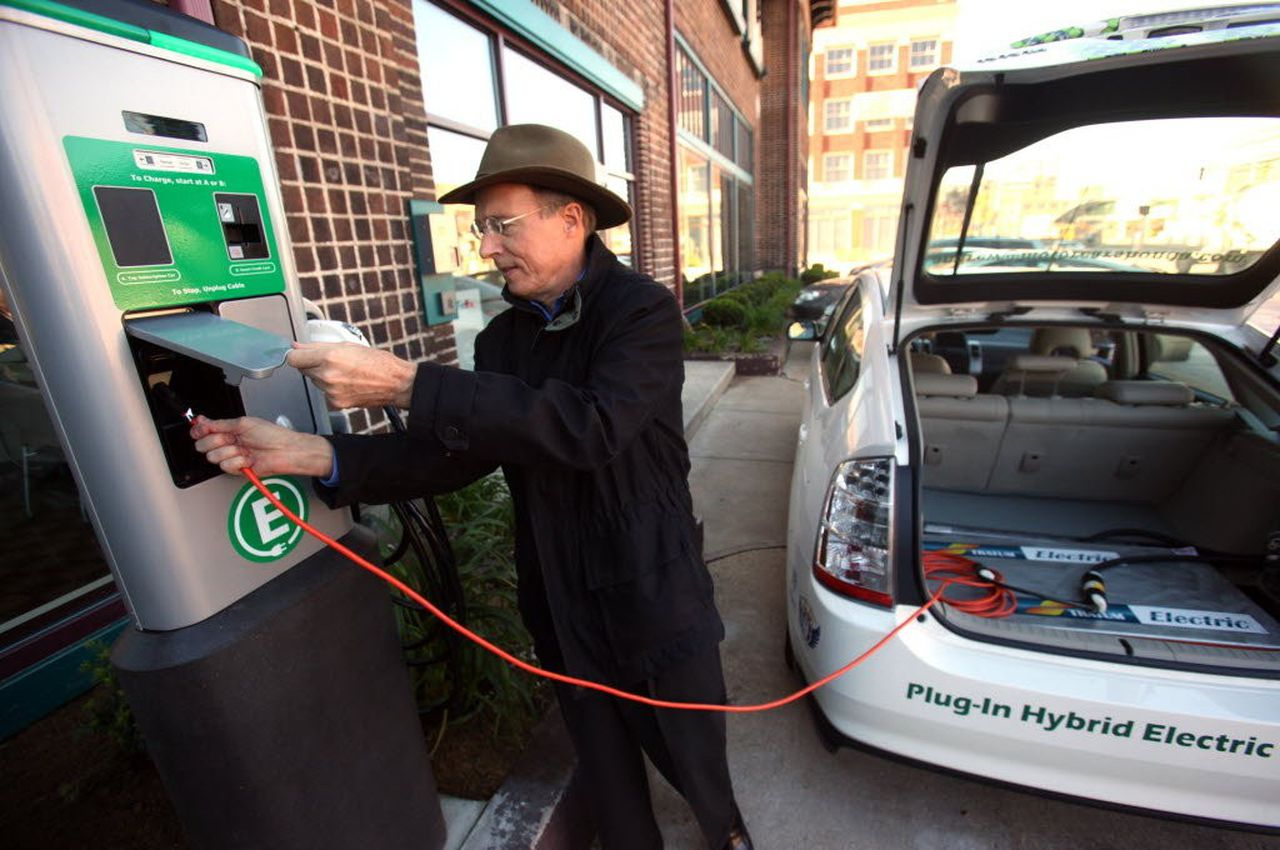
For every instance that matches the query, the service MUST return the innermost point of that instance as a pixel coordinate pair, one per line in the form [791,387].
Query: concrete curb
[539,805]
[704,382]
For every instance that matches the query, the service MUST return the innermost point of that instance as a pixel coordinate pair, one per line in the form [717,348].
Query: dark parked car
[815,301]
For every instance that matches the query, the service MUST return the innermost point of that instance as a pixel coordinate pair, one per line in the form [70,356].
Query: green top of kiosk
[151,24]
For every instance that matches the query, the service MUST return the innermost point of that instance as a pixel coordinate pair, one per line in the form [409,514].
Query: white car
[1096,445]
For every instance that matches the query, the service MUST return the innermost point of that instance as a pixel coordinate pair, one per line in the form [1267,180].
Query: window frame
[826,118]
[870,152]
[501,38]
[736,254]
[868,128]
[893,58]
[847,156]
[852,71]
[935,56]
[839,223]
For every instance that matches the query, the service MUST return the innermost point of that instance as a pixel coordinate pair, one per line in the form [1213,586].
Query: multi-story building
[867,64]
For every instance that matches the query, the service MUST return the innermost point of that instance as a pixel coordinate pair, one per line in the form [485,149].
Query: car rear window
[1178,358]
[1187,196]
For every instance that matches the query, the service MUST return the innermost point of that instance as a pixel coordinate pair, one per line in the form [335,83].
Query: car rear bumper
[1195,745]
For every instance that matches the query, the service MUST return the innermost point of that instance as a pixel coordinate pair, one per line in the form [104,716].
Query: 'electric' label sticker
[1187,618]
[1178,618]
[1025,553]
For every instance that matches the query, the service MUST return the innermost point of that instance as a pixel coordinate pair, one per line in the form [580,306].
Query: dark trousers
[687,748]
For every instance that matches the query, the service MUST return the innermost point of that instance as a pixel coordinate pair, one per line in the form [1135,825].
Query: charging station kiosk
[145,260]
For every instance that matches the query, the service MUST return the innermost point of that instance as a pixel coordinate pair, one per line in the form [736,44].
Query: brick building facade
[353,120]
[867,65]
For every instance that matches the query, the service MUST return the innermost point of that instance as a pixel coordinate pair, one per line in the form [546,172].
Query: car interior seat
[929,364]
[1058,364]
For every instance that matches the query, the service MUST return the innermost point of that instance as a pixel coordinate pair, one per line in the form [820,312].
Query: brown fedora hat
[542,156]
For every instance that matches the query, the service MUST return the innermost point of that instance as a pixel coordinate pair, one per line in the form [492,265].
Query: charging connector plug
[1094,590]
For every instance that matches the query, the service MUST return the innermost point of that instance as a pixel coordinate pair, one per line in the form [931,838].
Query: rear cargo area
[1041,479]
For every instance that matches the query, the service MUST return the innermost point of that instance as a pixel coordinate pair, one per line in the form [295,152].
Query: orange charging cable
[571,680]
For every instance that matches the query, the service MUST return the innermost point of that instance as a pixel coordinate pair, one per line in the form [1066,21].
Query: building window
[836,167]
[535,95]
[457,67]
[882,58]
[830,235]
[877,125]
[722,121]
[714,166]
[924,53]
[691,107]
[838,116]
[839,62]
[877,165]
[744,154]
[879,227]
[466,99]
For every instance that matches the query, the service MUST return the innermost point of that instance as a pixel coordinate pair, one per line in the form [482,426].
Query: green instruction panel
[175,226]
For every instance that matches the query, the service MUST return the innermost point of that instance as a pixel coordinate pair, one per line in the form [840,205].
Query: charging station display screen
[133,225]
[174,226]
[159,125]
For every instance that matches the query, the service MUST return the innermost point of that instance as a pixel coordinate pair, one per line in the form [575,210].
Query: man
[576,395]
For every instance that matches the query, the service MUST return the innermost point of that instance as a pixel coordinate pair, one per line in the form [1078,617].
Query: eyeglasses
[498,226]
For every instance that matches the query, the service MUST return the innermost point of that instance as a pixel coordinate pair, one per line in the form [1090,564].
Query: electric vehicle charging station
[150,275]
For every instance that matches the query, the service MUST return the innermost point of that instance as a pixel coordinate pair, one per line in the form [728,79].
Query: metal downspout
[671,137]
[789,128]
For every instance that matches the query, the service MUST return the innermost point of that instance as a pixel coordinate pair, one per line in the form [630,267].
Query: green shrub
[707,339]
[817,272]
[481,525]
[107,712]
[725,313]
[736,320]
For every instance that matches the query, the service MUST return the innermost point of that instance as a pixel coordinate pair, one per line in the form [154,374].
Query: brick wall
[780,235]
[344,107]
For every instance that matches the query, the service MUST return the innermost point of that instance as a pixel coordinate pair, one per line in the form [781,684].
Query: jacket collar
[567,309]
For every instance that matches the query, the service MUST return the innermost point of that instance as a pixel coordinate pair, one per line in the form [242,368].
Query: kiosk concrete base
[286,720]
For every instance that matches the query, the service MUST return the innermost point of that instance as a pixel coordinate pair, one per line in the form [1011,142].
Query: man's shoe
[739,838]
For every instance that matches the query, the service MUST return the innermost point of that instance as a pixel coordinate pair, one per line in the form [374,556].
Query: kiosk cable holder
[996,606]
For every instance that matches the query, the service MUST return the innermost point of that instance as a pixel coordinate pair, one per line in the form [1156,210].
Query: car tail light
[854,554]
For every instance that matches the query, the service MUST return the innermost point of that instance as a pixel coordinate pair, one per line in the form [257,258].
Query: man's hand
[234,444]
[353,375]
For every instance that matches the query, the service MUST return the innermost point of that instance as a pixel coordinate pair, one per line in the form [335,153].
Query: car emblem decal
[809,624]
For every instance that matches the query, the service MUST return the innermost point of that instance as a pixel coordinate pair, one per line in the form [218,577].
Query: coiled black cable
[423,532]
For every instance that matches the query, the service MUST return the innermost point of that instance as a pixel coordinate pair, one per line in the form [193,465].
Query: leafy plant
[740,320]
[449,672]
[817,272]
[107,712]
[725,313]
